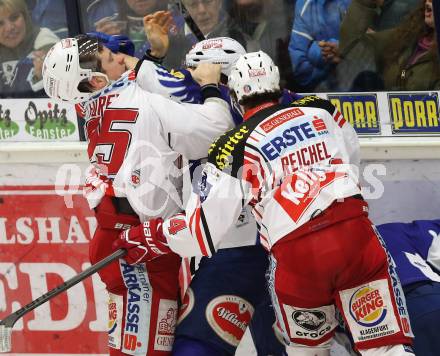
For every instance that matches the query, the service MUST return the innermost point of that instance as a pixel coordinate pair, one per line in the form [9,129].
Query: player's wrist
[210,90]
[153,56]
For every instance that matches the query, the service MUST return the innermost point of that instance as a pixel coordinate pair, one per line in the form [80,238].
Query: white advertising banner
[38,120]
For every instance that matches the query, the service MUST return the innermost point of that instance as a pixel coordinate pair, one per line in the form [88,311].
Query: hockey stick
[189,20]
[7,323]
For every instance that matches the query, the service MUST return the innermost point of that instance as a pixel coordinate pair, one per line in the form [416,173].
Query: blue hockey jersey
[180,86]
[415,248]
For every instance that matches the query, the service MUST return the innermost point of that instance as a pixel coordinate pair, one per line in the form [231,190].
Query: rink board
[45,231]
[44,241]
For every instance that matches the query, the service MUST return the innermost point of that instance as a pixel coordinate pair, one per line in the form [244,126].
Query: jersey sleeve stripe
[207,233]
[341,123]
[198,232]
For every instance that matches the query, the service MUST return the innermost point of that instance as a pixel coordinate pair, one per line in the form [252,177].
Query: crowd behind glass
[319,45]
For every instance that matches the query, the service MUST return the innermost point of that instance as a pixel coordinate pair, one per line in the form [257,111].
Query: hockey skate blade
[5,338]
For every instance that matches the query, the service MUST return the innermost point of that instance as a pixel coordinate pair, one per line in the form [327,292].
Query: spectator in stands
[357,70]
[116,17]
[265,25]
[23,47]
[406,56]
[436,9]
[50,14]
[314,46]
[212,20]
[392,12]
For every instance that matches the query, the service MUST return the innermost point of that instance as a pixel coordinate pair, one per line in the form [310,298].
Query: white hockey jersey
[288,163]
[136,138]
[179,86]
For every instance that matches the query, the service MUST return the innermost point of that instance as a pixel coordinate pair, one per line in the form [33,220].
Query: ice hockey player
[415,249]
[297,166]
[136,140]
[197,334]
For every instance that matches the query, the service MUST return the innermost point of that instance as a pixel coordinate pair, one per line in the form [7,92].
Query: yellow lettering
[305,100]
[347,112]
[225,152]
[420,113]
[397,113]
[432,113]
[409,114]
[336,102]
[222,161]
[233,140]
[359,114]
[370,110]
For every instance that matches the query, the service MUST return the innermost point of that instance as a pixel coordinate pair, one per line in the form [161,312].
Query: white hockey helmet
[62,71]
[254,73]
[219,50]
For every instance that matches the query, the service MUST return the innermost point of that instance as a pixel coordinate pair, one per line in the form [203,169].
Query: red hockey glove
[143,243]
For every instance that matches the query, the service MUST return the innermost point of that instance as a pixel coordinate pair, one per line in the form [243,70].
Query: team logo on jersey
[49,122]
[229,316]
[319,124]
[8,128]
[135,178]
[9,72]
[204,187]
[367,306]
[243,218]
[187,305]
[166,324]
[309,319]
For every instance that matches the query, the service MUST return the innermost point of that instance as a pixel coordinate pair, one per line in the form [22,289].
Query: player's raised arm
[192,127]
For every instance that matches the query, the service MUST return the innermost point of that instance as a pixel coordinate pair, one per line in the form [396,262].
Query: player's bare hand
[206,73]
[156,27]
[130,62]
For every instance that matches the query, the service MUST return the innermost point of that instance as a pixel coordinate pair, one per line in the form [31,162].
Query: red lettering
[370,306]
[285,164]
[327,156]
[312,154]
[358,314]
[130,342]
[112,314]
[405,325]
[305,161]
[101,104]
[379,302]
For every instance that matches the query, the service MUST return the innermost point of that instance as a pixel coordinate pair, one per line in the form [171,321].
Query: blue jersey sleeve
[415,248]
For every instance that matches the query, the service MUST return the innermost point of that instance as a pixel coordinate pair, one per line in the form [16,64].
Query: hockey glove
[143,243]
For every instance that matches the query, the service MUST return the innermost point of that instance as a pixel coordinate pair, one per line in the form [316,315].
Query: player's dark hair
[254,100]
